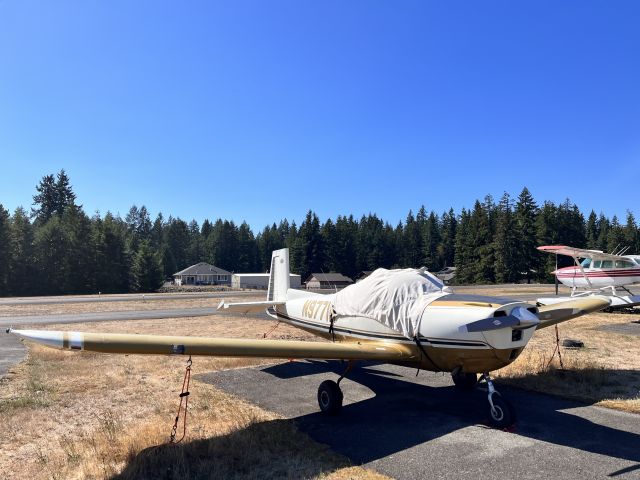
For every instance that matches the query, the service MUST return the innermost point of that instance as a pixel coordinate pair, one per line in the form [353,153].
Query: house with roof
[202,274]
[327,280]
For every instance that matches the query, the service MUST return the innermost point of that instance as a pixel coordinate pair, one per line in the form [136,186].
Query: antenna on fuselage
[623,250]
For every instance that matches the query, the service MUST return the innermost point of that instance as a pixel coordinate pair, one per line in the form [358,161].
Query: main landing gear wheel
[464,381]
[330,397]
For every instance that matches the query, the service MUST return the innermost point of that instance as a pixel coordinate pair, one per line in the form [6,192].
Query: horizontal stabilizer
[124,343]
[247,307]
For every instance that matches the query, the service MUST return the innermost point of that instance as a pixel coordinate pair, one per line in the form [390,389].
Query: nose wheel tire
[465,381]
[501,412]
[330,397]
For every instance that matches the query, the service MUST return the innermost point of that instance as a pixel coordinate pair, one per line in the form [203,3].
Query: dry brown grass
[514,290]
[87,415]
[605,372]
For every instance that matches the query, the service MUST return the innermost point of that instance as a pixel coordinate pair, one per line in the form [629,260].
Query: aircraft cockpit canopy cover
[395,298]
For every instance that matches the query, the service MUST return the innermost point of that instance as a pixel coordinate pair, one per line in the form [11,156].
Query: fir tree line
[58,249]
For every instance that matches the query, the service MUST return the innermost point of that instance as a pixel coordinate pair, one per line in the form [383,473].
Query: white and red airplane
[596,273]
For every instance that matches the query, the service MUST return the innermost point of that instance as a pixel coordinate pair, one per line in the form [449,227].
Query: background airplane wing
[219,347]
[579,252]
[561,312]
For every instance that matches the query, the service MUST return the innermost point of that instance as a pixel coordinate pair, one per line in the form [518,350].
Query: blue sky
[261,110]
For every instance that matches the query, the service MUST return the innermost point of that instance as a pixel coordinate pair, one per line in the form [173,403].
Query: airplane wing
[219,347]
[580,252]
[561,312]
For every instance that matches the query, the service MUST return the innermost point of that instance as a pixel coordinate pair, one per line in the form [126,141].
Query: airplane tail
[279,283]
[279,280]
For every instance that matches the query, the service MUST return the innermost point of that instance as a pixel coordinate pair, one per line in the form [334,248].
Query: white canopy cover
[394,298]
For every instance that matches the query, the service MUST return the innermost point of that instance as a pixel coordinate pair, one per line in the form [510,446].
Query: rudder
[279,279]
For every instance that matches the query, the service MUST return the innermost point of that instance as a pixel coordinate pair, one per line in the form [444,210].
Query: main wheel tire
[502,415]
[465,381]
[330,397]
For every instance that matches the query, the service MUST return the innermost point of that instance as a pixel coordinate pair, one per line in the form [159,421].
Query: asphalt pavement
[421,427]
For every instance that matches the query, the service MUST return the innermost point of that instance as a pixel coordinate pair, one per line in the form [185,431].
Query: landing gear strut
[464,381]
[329,394]
[501,412]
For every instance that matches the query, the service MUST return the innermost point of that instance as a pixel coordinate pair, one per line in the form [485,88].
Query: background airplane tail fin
[279,280]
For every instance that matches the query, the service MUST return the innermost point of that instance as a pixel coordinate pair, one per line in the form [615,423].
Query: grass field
[70,415]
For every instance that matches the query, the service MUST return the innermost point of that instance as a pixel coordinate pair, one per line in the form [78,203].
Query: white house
[202,274]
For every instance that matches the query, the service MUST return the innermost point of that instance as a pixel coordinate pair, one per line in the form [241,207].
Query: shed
[327,280]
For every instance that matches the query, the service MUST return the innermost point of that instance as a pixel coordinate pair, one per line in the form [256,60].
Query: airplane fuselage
[442,345]
[595,278]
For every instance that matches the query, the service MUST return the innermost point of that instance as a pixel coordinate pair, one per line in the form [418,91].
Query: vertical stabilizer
[279,280]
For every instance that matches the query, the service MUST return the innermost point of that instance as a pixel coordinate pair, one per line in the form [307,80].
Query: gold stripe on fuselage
[472,359]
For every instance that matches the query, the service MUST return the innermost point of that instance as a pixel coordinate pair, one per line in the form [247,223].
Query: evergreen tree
[45,200]
[22,256]
[547,234]
[465,254]
[147,269]
[631,234]
[431,241]
[311,243]
[592,231]
[412,243]
[615,237]
[111,258]
[296,252]
[527,259]
[247,250]
[51,254]
[195,248]
[345,252]
[447,247]
[268,241]
[330,242]
[506,244]
[5,251]
[224,239]
[482,219]
[79,259]
[603,232]
[177,241]
[64,196]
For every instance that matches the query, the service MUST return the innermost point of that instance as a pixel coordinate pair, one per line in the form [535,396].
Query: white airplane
[406,317]
[597,273]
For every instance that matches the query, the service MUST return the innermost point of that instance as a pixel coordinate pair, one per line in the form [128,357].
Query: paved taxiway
[412,427]
[122,298]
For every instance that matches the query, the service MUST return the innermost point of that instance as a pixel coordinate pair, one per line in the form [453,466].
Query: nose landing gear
[501,412]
